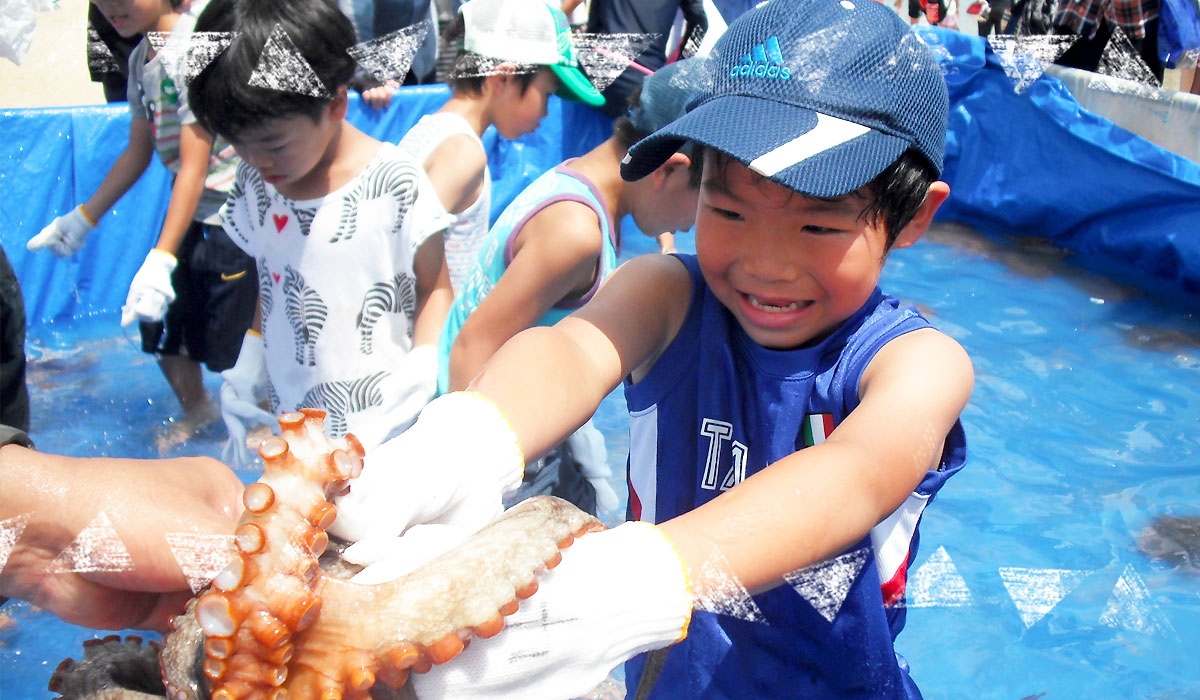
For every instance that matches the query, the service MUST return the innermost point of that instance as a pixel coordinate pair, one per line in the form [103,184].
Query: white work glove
[452,467]
[389,558]
[65,235]
[616,594]
[406,391]
[151,291]
[587,447]
[243,389]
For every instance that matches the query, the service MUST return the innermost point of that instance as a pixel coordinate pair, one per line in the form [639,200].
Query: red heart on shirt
[276,276]
[280,222]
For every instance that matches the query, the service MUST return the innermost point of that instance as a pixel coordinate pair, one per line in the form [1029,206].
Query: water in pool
[1030,581]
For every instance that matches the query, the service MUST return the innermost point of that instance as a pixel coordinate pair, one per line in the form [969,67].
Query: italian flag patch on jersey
[817,427]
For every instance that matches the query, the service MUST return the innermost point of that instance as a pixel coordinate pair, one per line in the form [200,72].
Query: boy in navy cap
[789,421]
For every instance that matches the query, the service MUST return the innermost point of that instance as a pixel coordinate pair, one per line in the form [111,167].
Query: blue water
[1029,582]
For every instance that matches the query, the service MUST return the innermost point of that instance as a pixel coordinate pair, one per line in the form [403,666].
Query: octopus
[281,620]
[1174,540]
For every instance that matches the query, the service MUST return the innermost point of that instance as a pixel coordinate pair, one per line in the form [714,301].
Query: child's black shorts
[216,290]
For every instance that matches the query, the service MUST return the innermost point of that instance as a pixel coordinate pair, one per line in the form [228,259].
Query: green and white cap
[531,32]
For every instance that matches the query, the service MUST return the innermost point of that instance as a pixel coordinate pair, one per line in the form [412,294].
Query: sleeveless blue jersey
[717,408]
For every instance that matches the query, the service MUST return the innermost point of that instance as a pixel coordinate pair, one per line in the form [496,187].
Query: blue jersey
[716,408]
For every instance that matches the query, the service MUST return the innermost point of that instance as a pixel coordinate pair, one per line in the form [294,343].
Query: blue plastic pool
[1029,583]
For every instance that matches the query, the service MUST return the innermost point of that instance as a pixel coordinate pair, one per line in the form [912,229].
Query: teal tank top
[562,184]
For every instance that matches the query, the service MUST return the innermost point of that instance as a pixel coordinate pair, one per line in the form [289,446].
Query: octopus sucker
[284,620]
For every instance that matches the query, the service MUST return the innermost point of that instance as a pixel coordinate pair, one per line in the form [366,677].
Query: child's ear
[938,192]
[499,76]
[339,105]
[676,165]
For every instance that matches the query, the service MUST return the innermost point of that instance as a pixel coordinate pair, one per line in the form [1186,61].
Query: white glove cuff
[253,352]
[162,259]
[492,443]
[88,223]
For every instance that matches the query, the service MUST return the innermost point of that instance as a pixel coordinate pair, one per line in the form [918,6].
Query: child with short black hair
[789,421]
[346,230]
[511,56]
[195,293]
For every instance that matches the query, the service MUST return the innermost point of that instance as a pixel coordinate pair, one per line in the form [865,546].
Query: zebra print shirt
[336,283]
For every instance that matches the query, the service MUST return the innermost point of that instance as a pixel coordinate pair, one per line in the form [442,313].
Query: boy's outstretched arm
[151,291]
[617,593]
[548,381]
[817,502]
[66,234]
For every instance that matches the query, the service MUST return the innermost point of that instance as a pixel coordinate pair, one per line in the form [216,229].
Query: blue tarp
[1036,163]
[53,159]
[1024,163]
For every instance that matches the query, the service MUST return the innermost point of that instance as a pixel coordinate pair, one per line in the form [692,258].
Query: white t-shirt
[336,283]
[470,225]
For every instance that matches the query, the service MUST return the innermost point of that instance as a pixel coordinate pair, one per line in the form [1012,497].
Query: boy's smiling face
[132,17]
[790,268]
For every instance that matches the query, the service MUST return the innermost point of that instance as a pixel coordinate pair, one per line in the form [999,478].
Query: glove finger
[389,558]
[606,497]
[229,454]
[359,518]
[47,237]
[246,411]
[128,315]
[63,248]
[151,306]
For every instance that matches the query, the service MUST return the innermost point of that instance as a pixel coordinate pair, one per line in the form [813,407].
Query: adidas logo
[764,61]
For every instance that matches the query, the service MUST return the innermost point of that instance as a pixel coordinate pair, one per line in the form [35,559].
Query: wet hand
[128,575]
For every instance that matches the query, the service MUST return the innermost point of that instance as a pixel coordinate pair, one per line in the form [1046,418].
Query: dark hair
[895,195]
[898,192]
[476,66]
[623,129]
[222,97]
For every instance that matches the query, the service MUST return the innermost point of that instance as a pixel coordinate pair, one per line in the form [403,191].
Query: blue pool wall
[1030,162]
[1034,162]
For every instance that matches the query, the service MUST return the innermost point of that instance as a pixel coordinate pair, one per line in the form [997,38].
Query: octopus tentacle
[278,625]
[111,669]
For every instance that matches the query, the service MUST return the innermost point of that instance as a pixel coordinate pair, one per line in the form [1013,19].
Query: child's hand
[245,386]
[615,594]
[65,235]
[451,467]
[378,97]
[151,291]
[197,498]
[588,449]
[406,391]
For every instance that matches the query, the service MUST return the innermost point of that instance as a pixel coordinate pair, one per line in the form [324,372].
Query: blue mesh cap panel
[780,65]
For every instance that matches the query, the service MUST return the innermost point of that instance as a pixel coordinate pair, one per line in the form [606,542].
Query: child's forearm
[434,292]
[194,149]
[817,502]
[546,385]
[128,167]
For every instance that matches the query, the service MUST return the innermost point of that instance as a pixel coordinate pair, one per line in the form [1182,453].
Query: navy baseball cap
[817,95]
[666,94]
